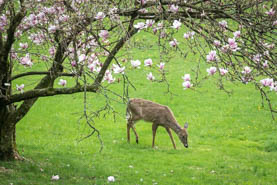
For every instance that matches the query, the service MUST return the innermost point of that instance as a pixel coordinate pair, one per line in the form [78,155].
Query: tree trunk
[8,149]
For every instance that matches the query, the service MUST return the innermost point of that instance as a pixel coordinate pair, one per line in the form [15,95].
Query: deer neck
[176,127]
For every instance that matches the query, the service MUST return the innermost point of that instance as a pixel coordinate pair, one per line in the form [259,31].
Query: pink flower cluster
[173,43]
[174,8]
[150,76]
[93,63]
[187,84]
[135,63]
[211,57]
[3,22]
[148,62]
[20,88]
[117,69]
[26,60]
[62,82]
[211,71]
[189,35]
[269,82]
[109,77]
[176,24]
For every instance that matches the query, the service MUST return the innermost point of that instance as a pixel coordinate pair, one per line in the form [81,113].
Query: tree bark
[8,150]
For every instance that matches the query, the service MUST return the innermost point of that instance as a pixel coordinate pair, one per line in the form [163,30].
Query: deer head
[183,135]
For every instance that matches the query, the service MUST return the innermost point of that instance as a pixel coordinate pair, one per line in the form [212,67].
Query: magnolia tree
[47,40]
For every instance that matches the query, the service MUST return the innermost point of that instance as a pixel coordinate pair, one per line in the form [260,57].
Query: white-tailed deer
[159,115]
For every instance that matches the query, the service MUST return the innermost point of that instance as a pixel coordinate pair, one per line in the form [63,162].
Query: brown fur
[159,115]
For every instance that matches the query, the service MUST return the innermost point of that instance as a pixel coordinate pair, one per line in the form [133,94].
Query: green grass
[232,139]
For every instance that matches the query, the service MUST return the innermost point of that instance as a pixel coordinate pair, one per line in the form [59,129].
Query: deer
[160,115]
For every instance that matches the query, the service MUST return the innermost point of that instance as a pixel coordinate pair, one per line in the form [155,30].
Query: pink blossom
[174,8]
[117,69]
[100,16]
[149,23]
[187,85]
[26,61]
[274,23]
[148,62]
[236,34]
[211,70]
[13,55]
[143,10]
[20,88]
[135,63]
[160,25]
[82,58]
[265,64]
[217,43]
[225,48]
[246,70]
[189,35]
[176,24]
[109,78]
[111,178]
[211,56]
[3,22]
[23,45]
[92,67]
[62,82]
[50,10]
[1,2]
[64,18]
[186,35]
[150,77]
[173,43]
[73,63]
[52,51]
[223,71]
[223,24]
[161,66]
[18,33]
[269,46]
[52,28]
[44,58]
[186,77]
[257,57]
[140,25]
[41,17]
[37,38]
[32,20]
[232,44]
[143,2]
[55,177]
[270,12]
[104,34]
[267,82]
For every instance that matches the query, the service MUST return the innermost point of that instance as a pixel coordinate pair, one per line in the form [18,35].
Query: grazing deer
[159,115]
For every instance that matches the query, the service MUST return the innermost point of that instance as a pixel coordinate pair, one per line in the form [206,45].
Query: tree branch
[35,93]
[39,73]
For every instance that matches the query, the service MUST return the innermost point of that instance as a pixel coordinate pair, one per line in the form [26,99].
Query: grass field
[232,139]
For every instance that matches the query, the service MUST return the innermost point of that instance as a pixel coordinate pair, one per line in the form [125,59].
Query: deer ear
[186,125]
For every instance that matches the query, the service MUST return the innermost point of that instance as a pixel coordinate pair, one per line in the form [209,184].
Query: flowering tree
[50,39]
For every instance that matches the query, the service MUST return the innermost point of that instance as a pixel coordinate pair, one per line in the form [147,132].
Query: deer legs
[154,130]
[130,124]
[170,135]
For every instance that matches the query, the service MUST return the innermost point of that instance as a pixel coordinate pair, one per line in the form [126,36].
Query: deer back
[146,110]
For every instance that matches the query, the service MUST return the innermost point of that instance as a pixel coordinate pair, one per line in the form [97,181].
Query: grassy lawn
[232,139]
